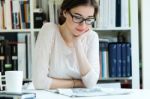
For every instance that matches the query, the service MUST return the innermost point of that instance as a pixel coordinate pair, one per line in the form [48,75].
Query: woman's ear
[64,13]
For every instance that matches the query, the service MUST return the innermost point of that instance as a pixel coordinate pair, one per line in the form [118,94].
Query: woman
[67,55]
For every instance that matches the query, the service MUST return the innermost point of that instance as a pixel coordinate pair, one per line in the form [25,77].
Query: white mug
[14,81]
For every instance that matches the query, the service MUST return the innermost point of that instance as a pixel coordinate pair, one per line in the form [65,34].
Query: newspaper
[89,92]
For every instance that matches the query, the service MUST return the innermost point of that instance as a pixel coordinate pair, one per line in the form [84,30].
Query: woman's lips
[80,30]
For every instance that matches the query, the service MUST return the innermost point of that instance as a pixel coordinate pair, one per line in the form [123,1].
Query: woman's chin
[76,35]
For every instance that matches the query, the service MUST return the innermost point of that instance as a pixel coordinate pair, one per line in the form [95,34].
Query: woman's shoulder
[48,30]
[92,34]
[49,26]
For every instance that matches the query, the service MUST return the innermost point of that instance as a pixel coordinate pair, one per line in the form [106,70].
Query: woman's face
[78,20]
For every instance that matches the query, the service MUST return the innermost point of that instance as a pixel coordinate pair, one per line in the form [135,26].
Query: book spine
[2,56]
[14,56]
[104,58]
[112,59]
[118,13]
[118,56]
[22,12]
[129,70]
[8,65]
[123,58]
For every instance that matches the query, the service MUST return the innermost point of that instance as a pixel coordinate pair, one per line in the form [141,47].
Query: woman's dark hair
[67,5]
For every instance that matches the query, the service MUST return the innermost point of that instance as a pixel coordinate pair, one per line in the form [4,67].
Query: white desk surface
[135,94]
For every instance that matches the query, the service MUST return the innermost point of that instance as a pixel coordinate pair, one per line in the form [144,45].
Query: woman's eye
[90,20]
[78,17]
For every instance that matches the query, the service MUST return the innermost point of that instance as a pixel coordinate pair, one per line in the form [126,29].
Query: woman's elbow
[91,79]
[90,83]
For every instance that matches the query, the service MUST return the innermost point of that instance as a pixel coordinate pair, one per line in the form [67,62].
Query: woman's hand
[82,35]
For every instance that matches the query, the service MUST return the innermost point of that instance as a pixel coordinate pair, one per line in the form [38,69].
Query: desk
[135,94]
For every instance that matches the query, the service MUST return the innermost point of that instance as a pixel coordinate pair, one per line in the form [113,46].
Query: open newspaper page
[87,92]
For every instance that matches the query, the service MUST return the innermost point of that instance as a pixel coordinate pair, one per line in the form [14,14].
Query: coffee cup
[14,80]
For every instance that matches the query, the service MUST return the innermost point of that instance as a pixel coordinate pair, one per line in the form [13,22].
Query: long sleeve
[41,58]
[91,78]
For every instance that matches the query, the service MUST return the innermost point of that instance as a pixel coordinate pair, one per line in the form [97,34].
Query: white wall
[145,26]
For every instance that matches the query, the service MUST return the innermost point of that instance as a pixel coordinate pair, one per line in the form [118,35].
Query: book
[39,18]
[118,60]
[2,56]
[124,59]
[129,60]
[118,13]
[103,47]
[112,52]
[14,55]
[8,64]
[16,14]
[6,95]
[22,55]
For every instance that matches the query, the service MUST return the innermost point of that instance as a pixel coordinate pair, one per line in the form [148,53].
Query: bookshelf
[132,34]
[16,16]
[106,32]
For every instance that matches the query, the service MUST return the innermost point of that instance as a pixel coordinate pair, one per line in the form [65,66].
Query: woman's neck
[66,35]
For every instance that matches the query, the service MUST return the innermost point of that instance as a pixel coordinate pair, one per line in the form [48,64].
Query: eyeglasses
[80,19]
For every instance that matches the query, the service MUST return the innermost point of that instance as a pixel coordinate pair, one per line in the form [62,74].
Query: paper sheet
[85,92]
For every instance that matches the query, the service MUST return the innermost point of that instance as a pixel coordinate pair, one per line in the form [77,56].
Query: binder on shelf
[8,64]
[27,55]
[14,55]
[23,54]
[112,59]
[118,59]
[22,14]
[118,13]
[16,14]
[39,18]
[103,47]
[129,59]
[123,58]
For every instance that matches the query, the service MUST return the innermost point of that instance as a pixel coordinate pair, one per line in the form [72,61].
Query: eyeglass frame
[83,19]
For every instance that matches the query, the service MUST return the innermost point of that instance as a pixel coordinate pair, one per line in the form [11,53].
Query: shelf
[100,29]
[116,78]
[112,29]
[16,30]
[36,30]
[95,29]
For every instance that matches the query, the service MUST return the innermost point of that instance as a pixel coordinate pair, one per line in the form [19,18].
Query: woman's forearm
[84,65]
[88,74]
[65,83]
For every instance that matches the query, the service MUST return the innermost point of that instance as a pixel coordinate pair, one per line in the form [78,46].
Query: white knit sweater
[53,58]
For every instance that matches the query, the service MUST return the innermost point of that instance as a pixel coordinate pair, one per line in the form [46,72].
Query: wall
[145,40]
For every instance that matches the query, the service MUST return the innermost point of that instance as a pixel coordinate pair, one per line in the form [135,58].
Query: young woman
[67,55]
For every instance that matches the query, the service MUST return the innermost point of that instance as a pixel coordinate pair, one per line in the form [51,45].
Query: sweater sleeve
[41,58]
[91,78]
